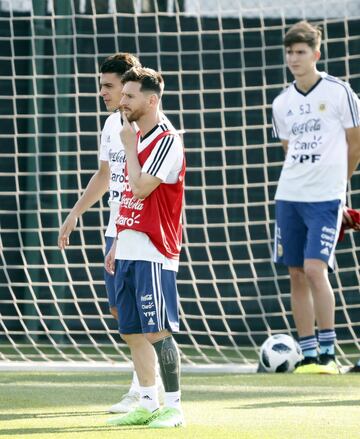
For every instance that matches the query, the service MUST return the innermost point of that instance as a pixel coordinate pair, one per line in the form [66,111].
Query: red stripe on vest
[159,214]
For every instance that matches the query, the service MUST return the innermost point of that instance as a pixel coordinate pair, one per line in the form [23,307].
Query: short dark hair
[303,32]
[119,63]
[150,79]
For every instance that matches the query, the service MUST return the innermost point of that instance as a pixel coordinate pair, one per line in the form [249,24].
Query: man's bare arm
[95,189]
[353,141]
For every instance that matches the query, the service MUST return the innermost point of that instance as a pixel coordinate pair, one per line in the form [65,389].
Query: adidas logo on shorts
[325,251]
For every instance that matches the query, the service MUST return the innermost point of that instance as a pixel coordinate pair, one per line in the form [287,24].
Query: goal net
[223,65]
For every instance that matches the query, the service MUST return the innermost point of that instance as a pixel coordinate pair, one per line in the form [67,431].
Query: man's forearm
[353,141]
[353,160]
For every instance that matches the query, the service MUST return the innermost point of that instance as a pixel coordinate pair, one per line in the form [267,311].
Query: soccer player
[317,121]
[109,177]
[148,246]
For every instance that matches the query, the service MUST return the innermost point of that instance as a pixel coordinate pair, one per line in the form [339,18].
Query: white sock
[135,386]
[173,400]
[149,398]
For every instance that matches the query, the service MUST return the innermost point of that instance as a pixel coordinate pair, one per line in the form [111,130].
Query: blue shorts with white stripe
[146,296]
[306,230]
[109,278]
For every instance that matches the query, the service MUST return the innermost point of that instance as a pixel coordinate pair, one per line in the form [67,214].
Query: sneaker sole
[123,410]
[307,369]
[317,369]
[177,425]
[119,423]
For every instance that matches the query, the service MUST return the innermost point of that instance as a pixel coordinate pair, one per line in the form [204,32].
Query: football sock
[173,399]
[308,346]
[327,341]
[149,398]
[169,362]
[135,386]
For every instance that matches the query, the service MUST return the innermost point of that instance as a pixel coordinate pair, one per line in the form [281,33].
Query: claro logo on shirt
[128,221]
[306,146]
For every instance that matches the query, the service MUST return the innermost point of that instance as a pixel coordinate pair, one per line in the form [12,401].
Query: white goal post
[222,61]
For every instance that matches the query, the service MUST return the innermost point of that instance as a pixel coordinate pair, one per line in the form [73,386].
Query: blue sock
[309,353]
[327,339]
[308,346]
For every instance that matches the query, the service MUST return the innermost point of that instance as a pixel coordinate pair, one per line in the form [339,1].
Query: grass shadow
[14,416]
[62,430]
[287,404]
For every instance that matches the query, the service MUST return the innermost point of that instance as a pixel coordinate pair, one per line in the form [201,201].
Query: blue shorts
[109,279]
[146,296]
[306,231]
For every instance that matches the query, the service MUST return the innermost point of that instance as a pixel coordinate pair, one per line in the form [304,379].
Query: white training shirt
[314,124]
[164,162]
[112,151]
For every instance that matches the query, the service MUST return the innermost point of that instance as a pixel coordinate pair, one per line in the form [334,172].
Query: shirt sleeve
[103,152]
[165,160]
[349,108]
[278,123]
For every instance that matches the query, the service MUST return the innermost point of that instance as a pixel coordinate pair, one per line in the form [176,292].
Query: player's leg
[169,359]
[303,313]
[142,352]
[290,238]
[130,399]
[324,306]
[316,272]
[143,356]
[323,221]
[144,359]
[158,326]
[301,302]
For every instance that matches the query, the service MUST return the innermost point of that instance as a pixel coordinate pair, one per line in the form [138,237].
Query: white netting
[223,65]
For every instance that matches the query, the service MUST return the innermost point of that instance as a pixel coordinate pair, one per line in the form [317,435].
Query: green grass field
[73,406]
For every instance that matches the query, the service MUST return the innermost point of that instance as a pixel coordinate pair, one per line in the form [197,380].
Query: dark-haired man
[109,177]
[317,120]
[148,247]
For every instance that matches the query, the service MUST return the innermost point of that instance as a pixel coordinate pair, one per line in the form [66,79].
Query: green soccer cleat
[328,369]
[138,416]
[311,368]
[307,365]
[167,418]
[326,365]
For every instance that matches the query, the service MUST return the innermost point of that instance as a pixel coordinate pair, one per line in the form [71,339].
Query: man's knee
[133,340]
[315,271]
[153,337]
[297,275]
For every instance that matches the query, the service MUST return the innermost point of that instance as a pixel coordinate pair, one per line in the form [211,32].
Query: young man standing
[109,177]
[317,121]
[148,247]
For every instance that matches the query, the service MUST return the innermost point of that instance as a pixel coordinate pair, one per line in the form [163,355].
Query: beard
[135,115]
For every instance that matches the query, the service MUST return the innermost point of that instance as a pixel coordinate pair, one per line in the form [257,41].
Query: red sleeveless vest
[159,214]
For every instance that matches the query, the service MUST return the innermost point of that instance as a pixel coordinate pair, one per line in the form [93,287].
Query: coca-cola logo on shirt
[117,156]
[131,203]
[306,127]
